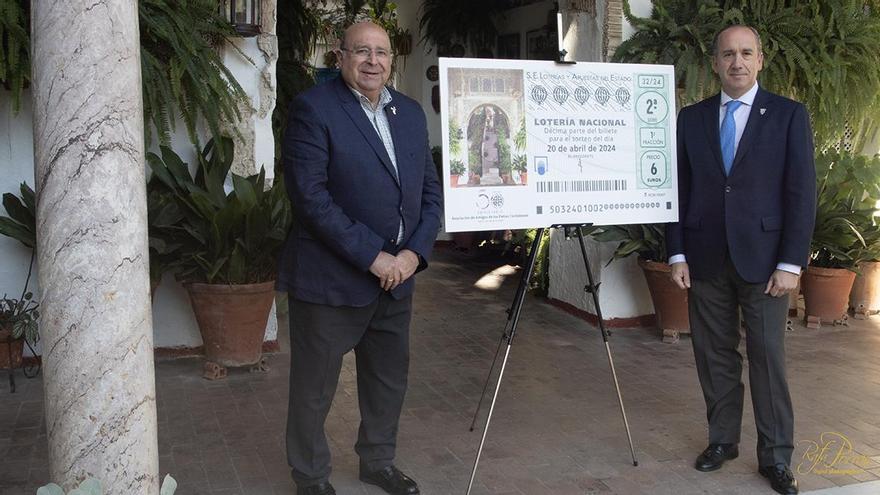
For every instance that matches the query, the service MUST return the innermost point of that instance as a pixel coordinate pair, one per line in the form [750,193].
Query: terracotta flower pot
[524,177]
[826,292]
[670,302]
[10,350]
[453,180]
[864,299]
[232,320]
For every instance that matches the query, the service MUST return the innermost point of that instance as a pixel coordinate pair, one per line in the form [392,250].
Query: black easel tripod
[510,332]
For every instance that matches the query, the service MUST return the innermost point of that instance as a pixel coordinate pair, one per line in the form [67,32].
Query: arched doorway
[488,137]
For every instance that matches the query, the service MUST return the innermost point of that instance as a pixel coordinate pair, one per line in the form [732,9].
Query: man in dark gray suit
[747,200]
[367,199]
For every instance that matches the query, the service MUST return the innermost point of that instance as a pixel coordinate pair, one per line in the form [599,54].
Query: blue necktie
[728,135]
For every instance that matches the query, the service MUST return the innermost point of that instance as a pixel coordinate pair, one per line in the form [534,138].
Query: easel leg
[594,290]
[513,320]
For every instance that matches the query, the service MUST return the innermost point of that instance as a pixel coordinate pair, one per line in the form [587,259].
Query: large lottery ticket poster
[534,144]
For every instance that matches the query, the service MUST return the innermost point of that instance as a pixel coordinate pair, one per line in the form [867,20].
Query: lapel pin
[394,110]
[763,111]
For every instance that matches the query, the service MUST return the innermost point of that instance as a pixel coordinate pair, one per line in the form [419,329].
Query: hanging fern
[471,22]
[824,53]
[15,66]
[182,71]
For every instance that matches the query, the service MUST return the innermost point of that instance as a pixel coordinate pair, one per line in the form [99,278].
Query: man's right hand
[680,275]
[385,267]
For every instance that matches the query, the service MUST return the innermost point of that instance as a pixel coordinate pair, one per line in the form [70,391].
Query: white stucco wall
[639,8]
[623,292]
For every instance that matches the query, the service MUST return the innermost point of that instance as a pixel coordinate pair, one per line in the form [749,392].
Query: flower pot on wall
[453,180]
[10,350]
[864,299]
[826,294]
[670,302]
[232,320]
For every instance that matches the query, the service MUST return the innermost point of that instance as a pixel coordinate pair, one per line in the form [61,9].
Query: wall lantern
[244,15]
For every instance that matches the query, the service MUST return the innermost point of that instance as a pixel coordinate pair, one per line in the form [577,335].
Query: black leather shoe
[781,478]
[391,480]
[714,456]
[320,489]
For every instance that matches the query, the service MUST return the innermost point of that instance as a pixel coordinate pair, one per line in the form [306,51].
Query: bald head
[365,59]
[357,29]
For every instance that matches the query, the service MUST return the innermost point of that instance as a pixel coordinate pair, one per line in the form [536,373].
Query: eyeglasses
[364,53]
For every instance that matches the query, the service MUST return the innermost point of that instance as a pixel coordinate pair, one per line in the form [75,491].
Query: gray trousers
[714,309]
[319,337]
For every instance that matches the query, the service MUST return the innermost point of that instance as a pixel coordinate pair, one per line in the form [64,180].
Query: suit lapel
[395,122]
[713,133]
[753,127]
[353,108]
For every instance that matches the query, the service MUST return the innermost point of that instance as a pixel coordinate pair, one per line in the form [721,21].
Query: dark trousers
[714,308]
[319,337]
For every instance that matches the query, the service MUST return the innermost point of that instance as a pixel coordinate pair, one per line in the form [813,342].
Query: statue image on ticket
[487,128]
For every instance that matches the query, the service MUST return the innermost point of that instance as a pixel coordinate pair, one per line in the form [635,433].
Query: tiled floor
[556,428]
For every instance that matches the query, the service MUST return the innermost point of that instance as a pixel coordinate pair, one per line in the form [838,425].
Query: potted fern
[227,244]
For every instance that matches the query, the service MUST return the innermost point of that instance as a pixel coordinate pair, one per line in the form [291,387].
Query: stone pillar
[583,29]
[252,62]
[96,325]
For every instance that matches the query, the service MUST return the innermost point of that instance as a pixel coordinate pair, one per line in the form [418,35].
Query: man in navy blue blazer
[747,200]
[367,206]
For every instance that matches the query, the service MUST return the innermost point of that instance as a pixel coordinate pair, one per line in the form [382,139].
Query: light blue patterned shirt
[379,119]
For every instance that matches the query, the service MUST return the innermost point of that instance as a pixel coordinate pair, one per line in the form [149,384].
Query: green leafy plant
[521,163]
[21,224]
[824,53]
[21,315]
[445,22]
[15,66]
[219,237]
[647,240]
[456,167]
[475,162]
[164,245]
[520,139]
[505,165]
[91,486]
[455,136]
[848,188]
[182,70]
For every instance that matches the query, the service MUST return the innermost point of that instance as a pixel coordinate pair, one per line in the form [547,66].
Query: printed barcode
[564,186]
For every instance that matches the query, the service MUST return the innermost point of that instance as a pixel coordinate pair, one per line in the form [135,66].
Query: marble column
[96,325]
[583,29]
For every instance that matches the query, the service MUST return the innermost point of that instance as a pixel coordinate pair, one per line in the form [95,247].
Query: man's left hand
[781,283]
[406,264]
